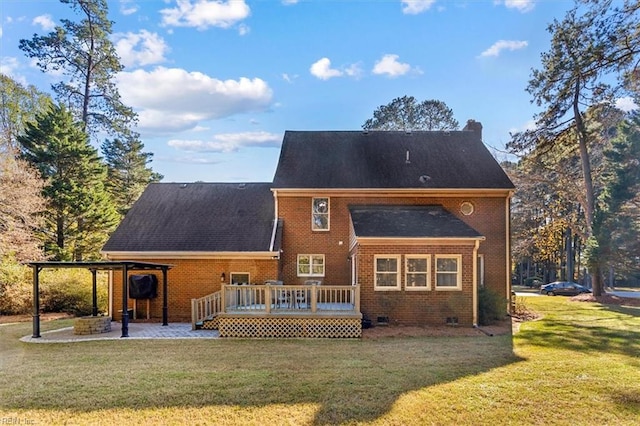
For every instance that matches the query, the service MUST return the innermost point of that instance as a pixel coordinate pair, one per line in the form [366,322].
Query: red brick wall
[488,218]
[416,307]
[191,279]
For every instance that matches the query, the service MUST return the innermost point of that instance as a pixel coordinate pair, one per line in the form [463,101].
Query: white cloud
[289,78]
[354,70]
[501,45]
[289,2]
[528,126]
[414,7]
[143,48]
[127,8]
[243,29]
[9,66]
[390,66]
[626,104]
[203,14]
[229,142]
[172,99]
[45,22]
[0,31]
[522,6]
[322,69]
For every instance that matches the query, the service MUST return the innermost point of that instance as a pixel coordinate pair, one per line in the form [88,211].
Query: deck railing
[205,308]
[276,299]
[290,298]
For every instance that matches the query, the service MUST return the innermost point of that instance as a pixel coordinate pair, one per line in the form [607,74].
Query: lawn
[578,364]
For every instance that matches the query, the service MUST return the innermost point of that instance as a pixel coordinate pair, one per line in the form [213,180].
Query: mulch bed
[607,299]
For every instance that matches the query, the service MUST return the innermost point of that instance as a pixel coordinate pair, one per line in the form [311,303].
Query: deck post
[314,298]
[165,298]
[223,299]
[267,298]
[194,313]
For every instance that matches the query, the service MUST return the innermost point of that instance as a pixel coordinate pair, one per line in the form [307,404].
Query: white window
[240,278]
[449,272]
[311,265]
[320,214]
[387,270]
[417,272]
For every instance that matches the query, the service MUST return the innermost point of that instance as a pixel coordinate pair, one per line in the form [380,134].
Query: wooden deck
[281,311]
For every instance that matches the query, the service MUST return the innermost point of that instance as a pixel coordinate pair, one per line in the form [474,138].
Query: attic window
[320,214]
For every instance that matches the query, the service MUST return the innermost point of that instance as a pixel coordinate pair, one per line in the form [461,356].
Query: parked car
[563,288]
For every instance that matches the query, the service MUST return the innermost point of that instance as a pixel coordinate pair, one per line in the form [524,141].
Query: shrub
[70,291]
[491,307]
[16,286]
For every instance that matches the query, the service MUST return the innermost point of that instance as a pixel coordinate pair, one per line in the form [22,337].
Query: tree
[79,212]
[83,52]
[406,113]
[128,174]
[587,48]
[618,213]
[21,203]
[18,105]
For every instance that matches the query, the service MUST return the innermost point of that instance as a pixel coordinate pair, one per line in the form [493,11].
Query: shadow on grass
[349,381]
[605,328]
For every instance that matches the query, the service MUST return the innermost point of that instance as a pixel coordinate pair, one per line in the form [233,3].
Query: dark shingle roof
[408,222]
[208,217]
[350,159]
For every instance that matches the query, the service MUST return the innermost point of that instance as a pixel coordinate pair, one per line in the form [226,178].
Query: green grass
[579,364]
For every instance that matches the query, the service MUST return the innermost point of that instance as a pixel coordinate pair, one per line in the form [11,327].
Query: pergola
[123,265]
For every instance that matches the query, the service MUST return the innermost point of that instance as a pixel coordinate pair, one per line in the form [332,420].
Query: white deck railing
[205,307]
[277,299]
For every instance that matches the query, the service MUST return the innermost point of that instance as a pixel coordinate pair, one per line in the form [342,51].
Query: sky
[216,84]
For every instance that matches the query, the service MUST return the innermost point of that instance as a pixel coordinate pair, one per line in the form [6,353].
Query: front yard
[578,364]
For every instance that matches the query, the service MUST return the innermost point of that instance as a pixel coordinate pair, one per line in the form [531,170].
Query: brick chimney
[474,126]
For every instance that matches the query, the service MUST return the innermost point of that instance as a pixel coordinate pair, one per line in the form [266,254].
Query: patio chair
[281,295]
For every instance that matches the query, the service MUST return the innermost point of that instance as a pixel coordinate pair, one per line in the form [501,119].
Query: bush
[16,285]
[70,291]
[491,307]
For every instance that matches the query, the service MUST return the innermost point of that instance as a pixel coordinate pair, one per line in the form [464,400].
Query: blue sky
[216,83]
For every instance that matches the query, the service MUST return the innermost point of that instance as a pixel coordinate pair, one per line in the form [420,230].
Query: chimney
[474,126]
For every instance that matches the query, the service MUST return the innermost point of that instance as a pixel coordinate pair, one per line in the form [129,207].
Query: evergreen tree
[84,53]
[128,174]
[80,213]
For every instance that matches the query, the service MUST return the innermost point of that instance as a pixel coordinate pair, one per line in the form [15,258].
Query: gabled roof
[380,159]
[400,221]
[198,217]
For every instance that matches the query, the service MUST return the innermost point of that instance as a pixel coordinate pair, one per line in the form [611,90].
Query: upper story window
[320,214]
[387,272]
[311,265]
[449,272]
[417,269]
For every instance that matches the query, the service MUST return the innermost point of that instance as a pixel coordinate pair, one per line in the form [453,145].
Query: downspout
[275,220]
[475,283]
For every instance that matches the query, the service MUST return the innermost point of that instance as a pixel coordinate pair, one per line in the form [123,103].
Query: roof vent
[424,178]
[184,185]
[242,186]
[407,160]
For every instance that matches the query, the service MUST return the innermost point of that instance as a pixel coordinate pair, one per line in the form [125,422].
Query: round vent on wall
[466,208]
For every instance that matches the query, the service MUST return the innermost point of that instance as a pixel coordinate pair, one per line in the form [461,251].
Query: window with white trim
[416,270]
[387,270]
[311,265]
[320,214]
[240,278]
[448,272]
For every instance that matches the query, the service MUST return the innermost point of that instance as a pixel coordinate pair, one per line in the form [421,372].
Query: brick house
[417,221]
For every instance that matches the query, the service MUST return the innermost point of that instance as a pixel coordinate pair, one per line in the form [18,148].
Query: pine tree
[128,174]
[80,213]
